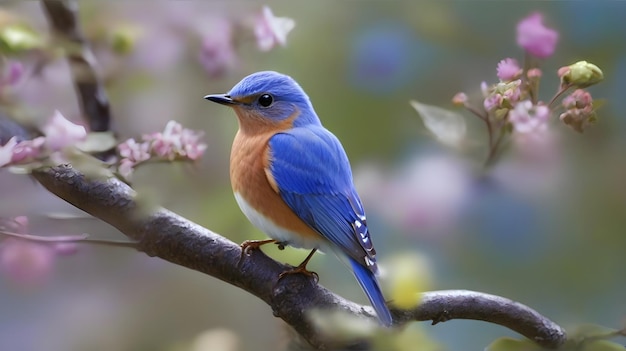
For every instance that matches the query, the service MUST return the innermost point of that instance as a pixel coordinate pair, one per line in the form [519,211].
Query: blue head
[268,98]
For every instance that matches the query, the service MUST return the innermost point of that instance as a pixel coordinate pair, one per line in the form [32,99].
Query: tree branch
[164,234]
[94,104]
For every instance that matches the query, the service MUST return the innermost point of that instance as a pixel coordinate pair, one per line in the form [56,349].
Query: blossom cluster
[512,105]
[175,143]
[58,133]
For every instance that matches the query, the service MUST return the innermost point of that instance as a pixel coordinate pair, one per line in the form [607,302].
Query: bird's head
[268,98]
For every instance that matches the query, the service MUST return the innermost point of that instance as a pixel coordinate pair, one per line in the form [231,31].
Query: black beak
[222,99]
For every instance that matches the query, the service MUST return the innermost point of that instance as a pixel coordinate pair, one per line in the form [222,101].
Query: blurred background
[546,227]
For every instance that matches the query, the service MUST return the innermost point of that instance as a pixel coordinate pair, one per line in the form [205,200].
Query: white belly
[272,230]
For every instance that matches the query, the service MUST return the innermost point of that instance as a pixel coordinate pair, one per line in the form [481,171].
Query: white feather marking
[271,229]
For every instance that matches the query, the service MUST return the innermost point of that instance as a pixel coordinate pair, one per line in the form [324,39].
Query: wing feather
[312,173]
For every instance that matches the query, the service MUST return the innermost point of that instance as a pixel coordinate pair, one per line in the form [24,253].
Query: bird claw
[249,245]
[300,270]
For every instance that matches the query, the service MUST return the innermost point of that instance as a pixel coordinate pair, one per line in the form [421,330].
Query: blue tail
[368,282]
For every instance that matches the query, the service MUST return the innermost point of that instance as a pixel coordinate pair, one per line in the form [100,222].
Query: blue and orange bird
[292,179]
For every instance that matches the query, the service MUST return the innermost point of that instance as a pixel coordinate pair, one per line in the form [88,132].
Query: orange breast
[248,162]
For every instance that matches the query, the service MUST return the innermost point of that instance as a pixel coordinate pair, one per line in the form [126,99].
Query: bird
[292,179]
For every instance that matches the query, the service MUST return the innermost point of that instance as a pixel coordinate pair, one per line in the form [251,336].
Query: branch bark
[164,234]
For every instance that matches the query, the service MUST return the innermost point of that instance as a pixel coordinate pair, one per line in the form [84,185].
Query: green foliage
[587,337]
[343,327]
[447,126]
[17,38]
[510,344]
[98,142]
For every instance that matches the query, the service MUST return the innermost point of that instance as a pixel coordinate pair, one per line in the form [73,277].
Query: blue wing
[313,175]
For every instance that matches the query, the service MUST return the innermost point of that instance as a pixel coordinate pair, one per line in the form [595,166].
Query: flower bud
[581,74]
[533,73]
[459,99]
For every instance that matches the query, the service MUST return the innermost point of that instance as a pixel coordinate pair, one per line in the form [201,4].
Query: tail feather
[368,282]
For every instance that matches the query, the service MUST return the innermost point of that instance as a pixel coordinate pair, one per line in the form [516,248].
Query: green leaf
[593,330]
[90,166]
[97,142]
[602,345]
[340,325]
[448,126]
[598,103]
[510,344]
[16,38]
[123,39]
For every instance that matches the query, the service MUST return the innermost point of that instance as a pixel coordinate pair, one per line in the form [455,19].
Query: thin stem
[47,239]
[485,118]
[113,243]
[495,148]
[82,238]
[478,114]
[562,90]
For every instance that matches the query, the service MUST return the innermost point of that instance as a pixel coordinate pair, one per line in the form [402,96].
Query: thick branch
[63,18]
[167,235]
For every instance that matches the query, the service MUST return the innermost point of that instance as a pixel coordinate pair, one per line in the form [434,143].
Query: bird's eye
[265,100]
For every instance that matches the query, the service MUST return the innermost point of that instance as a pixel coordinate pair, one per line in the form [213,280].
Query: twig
[561,91]
[81,238]
[63,18]
[494,148]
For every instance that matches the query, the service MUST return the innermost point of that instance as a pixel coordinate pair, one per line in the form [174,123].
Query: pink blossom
[133,151]
[26,262]
[508,69]
[23,261]
[579,112]
[459,99]
[126,167]
[169,142]
[426,195]
[534,37]
[270,30]
[131,154]
[579,98]
[217,53]
[527,117]
[12,73]
[175,142]
[534,73]
[511,91]
[512,95]
[492,102]
[65,248]
[6,151]
[27,150]
[21,224]
[61,133]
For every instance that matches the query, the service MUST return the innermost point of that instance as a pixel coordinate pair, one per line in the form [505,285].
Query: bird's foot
[301,269]
[249,245]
